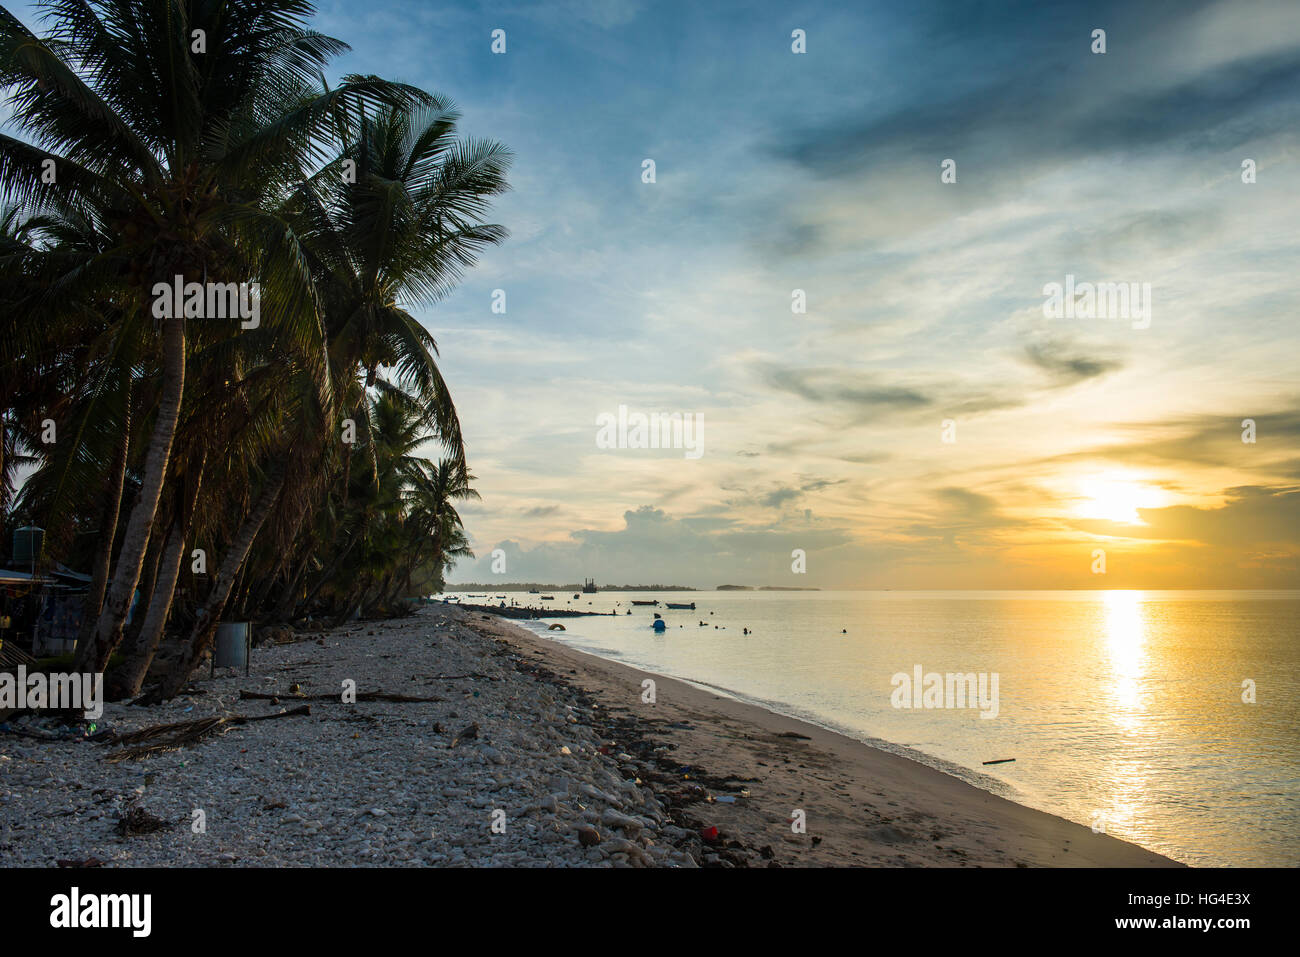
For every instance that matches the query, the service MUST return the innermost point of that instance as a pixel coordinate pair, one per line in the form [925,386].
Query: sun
[1116,498]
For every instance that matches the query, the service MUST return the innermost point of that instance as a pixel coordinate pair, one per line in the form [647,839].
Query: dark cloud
[1065,367]
[835,386]
[778,497]
[1031,93]
[1207,440]
[845,390]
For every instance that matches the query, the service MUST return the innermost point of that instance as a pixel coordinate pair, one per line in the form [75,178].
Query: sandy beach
[863,806]
[505,749]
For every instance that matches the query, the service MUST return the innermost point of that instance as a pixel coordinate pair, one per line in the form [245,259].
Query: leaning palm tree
[398,232]
[169,123]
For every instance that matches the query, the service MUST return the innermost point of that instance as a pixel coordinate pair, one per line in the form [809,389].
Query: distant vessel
[548,597]
[645,602]
[690,607]
[532,591]
[589,586]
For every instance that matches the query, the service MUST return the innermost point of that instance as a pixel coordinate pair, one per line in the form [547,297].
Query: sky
[923,424]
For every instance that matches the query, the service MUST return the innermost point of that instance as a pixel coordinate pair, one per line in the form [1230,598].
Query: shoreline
[473,742]
[863,805]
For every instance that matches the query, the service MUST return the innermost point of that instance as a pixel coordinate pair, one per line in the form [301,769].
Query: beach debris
[361,696]
[588,836]
[466,734]
[55,727]
[709,835]
[1000,761]
[138,821]
[167,737]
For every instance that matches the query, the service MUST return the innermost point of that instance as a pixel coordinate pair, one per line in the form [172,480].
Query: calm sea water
[1123,709]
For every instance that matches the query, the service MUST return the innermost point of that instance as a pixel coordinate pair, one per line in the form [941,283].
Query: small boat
[501,596]
[645,602]
[532,591]
[548,598]
[690,607]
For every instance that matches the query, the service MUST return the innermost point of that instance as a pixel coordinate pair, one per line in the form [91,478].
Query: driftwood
[182,733]
[360,695]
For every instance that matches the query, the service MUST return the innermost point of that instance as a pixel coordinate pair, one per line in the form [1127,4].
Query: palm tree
[166,121]
[196,139]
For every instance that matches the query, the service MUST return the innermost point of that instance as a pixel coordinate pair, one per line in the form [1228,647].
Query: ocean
[1123,710]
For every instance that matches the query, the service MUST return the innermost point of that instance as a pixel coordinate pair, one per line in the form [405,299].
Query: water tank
[27,544]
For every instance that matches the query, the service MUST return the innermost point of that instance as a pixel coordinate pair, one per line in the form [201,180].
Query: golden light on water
[1126,651]
[1125,648]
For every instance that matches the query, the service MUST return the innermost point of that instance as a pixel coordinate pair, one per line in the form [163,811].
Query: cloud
[1252,516]
[1067,368]
[846,390]
[1042,97]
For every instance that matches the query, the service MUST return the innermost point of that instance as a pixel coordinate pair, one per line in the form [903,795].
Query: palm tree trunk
[94,600]
[328,573]
[126,681]
[206,624]
[284,608]
[92,656]
[148,578]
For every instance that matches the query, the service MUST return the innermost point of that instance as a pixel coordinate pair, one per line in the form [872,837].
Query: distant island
[763,588]
[547,586]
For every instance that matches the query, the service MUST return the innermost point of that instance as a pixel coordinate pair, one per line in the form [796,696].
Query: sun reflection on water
[1129,662]
[1126,650]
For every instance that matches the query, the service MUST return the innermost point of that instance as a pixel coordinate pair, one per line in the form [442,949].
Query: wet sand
[862,806]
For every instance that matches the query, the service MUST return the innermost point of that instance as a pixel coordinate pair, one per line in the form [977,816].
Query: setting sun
[1116,499]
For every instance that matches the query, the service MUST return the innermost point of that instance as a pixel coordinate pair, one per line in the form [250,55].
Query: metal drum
[232,645]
